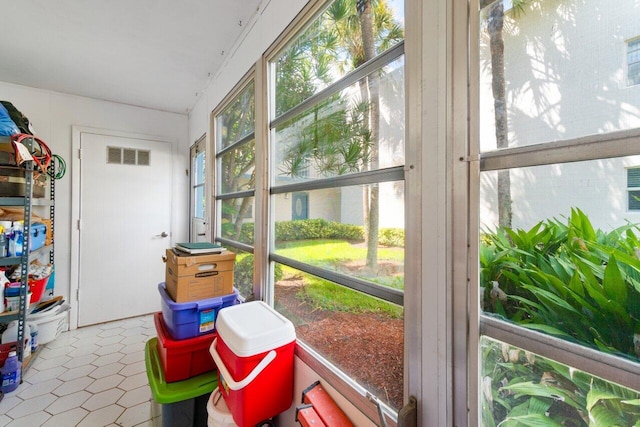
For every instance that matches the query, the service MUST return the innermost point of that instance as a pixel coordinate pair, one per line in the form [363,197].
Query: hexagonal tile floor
[92,376]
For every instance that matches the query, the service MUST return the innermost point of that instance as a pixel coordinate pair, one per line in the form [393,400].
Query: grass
[332,254]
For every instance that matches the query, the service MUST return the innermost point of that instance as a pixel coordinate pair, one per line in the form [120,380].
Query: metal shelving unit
[28,202]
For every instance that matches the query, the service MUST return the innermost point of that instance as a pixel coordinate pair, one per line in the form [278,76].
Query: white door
[199,191]
[124,229]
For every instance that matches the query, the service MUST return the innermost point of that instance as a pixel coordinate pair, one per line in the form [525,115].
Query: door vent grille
[128,156]
[143,157]
[114,155]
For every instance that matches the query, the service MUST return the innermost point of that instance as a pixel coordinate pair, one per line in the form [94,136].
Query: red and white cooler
[254,356]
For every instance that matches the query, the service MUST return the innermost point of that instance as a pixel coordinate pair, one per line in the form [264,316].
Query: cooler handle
[237,385]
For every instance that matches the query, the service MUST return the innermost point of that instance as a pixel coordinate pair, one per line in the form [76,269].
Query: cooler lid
[252,328]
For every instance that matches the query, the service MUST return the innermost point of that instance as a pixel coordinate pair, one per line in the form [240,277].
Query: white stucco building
[571,71]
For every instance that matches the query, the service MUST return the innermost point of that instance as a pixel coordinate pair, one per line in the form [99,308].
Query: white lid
[253,328]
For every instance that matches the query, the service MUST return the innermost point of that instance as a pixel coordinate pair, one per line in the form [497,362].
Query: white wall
[53,114]
[271,19]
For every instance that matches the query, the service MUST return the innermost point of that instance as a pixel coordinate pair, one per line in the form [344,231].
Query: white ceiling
[152,53]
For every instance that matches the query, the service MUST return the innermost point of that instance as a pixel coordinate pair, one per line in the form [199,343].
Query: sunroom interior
[442,197]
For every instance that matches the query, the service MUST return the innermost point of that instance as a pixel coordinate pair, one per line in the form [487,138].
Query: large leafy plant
[566,279]
[522,389]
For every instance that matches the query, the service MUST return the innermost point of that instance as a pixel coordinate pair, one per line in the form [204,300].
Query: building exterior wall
[566,77]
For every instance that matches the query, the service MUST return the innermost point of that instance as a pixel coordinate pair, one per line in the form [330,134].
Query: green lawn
[334,255]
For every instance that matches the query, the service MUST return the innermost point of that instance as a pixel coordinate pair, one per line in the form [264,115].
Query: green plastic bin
[183,403]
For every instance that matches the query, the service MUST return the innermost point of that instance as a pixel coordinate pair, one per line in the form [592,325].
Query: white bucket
[219,415]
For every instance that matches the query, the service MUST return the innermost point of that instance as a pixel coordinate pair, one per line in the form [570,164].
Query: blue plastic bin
[194,318]
[38,235]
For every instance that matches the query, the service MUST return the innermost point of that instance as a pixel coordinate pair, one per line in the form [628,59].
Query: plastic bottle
[3,243]
[11,372]
[15,244]
[34,337]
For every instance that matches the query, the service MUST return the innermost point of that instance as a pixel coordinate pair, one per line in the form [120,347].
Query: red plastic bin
[37,286]
[183,359]
[254,355]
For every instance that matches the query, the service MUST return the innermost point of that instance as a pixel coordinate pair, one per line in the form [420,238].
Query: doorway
[198,203]
[124,223]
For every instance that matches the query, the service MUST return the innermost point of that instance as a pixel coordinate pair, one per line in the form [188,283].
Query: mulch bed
[367,347]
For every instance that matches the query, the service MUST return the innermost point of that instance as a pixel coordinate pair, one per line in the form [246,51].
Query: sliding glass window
[337,190]
[559,252]
[234,130]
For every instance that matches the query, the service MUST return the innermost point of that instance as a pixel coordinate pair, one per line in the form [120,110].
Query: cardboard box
[196,277]
[49,231]
[12,182]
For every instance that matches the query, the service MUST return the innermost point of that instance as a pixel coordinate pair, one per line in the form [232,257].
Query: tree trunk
[242,212]
[368,44]
[495,23]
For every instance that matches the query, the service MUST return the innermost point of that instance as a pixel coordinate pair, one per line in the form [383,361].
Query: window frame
[355,393]
[590,147]
[631,189]
[216,170]
[633,46]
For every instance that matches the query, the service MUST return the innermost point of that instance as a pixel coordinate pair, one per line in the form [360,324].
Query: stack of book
[199,248]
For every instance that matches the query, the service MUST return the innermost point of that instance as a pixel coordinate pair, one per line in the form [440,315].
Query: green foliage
[322,294]
[243,274]
[391,237]
[521,389]
[310,229]
[566,279]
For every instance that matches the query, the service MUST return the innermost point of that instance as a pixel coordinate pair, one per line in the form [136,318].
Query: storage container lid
[252,328]
[202,304]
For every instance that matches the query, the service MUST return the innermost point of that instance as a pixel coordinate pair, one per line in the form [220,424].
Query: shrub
[303,229]
[391,237]
[566,280]
[243,275]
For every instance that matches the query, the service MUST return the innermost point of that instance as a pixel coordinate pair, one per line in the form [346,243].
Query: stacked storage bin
[196,288]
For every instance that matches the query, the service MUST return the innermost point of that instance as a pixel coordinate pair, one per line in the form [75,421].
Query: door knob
[163,234]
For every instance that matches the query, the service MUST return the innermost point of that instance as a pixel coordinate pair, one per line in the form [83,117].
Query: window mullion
[604,365]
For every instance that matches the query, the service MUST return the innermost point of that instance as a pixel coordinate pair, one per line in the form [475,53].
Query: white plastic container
[219,415]
[51,324]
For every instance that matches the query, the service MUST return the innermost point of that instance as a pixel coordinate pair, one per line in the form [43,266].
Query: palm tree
[343,137]
[495,24]
[366,27]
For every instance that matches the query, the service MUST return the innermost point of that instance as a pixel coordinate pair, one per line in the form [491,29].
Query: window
[234,134]
[633,188]
[336,192]
[557,253]
[633,62]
